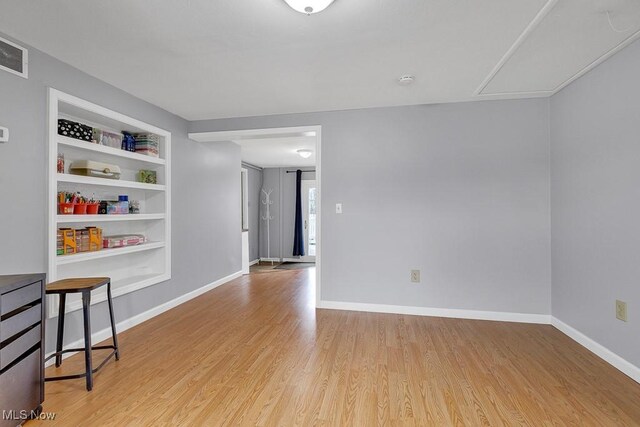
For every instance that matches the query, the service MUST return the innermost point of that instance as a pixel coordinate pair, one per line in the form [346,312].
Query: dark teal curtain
[298,235]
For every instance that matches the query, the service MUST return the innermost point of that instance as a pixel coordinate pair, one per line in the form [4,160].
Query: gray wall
[460,191]
[595,216]
[206,244]
[283,185]
[254,187]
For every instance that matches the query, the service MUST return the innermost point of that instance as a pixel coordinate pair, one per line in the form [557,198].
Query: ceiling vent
[13,58]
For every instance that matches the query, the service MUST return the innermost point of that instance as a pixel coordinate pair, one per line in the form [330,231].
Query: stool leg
[113,322]
[61,304]
[86,304]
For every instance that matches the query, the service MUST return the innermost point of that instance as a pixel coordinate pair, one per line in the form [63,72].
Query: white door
[309,195]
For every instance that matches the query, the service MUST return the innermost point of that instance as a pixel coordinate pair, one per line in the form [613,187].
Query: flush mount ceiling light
[309,7]
[305,154]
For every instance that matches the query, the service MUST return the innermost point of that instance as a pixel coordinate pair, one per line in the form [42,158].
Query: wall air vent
[13,58]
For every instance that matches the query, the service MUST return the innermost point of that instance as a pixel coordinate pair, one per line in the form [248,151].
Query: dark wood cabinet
[22,319]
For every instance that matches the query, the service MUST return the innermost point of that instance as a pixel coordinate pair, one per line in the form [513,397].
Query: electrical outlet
[4,134]
[415,276]
[621,310]
[338,208]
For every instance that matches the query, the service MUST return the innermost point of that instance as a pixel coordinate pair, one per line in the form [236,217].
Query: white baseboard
[270,259]
[599,350]
[122,326]
[438,312]
[254,262]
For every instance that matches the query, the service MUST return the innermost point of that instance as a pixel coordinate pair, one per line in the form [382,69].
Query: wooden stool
[84,286]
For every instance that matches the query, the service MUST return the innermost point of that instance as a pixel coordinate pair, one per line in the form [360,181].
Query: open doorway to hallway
[279,163]
[287,203]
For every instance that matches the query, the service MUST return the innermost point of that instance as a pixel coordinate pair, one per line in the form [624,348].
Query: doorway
[276,224]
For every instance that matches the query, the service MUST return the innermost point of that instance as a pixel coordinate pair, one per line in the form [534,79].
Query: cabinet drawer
[19,346]
[19,297]
[20,388]
[20,321]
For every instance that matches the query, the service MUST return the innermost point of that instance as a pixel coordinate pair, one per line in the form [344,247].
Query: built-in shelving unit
[130,268]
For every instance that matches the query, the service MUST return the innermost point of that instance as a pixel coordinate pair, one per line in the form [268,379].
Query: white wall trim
[542,13]
[254,262]
[599,350]
[123,325]
[479,92]
[265,259]
[438,312]
[299,259]
[251,166]
[626,42]
[231,135]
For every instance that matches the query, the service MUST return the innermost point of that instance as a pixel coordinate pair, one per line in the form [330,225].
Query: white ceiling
[227,58]
[277,152]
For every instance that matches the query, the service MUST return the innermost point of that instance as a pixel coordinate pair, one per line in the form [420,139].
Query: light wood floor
[256,352]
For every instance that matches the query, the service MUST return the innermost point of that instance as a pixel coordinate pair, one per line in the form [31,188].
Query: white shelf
[104,253]
[65,219]
[110,151]
[90,180]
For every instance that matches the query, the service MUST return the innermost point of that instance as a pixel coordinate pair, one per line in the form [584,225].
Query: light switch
[4,134]
[338,208]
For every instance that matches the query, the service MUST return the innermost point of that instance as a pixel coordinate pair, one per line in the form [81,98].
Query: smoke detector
[406,80]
